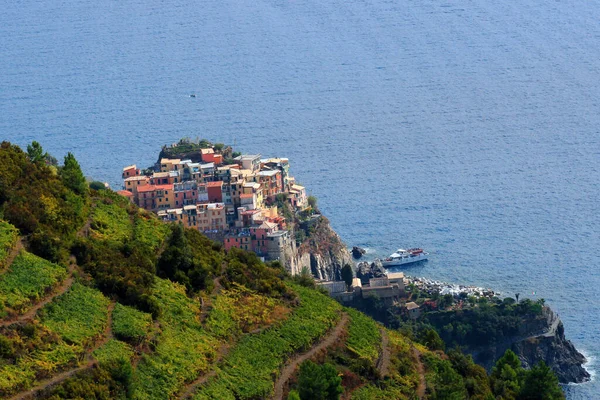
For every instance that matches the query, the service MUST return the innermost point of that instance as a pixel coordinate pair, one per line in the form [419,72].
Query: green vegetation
[113,350]
[110,221]
[8,237]
[97,185]
[183,351]
[364,337]
[78,316]
[347,275]
[28,279]
[37,350]
[130,325]
[245,268]
[511,382]
[319,382]
[388,391]
[72,176]
[149,231]
[442,380]
[190,259]
[240,310]
[482,325]
[247,371]
[52,215]
[159,275]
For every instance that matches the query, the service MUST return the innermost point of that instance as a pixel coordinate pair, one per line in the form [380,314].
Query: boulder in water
[358,252]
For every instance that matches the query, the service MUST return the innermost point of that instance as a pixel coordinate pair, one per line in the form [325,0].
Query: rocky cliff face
[323,252]
[542,339]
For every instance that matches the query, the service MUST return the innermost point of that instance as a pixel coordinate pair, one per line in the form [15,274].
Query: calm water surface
[469,128]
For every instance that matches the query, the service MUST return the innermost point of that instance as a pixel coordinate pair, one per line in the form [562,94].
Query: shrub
[129,324]
[8,237]
[319,382]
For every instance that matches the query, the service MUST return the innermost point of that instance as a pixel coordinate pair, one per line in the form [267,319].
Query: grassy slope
[185,341]
[26,281]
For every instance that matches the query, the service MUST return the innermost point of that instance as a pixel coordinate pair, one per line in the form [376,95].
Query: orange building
[155,197]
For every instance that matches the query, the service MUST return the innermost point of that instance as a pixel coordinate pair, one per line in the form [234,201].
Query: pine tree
[35,152]
[72,176]
[347,275]
[540,383]
[319,382]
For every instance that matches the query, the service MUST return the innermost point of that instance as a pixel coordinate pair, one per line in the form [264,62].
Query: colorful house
[215,191]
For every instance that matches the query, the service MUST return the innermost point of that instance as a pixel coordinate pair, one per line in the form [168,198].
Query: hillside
[99,299]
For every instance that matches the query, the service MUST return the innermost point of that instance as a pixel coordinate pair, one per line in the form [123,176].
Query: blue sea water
[469,128]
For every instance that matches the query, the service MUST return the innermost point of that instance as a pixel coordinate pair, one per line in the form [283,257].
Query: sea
[468,128]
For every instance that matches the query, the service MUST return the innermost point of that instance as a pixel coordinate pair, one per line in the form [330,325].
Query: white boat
[402,257]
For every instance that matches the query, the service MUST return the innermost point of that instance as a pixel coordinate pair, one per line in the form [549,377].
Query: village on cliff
[233,200]
[241,201]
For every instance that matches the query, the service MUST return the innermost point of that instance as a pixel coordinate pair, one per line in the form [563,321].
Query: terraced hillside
[106,302]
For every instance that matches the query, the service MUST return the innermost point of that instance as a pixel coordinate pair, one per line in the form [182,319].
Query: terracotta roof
[214,184]
[146,188]
[125,193]
[246,196]
[151,188]
[164,187]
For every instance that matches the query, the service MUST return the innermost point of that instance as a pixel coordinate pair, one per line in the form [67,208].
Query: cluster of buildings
[390,289]
[235,199]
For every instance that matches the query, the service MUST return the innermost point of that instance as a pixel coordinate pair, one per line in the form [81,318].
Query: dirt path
[60,289]
[421,370]
[383,362]
[290,367]
[206,306]
[14,252]
[89,363]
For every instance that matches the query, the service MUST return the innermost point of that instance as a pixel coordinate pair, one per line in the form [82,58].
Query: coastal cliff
[323,251]
[539,339]
[534,337]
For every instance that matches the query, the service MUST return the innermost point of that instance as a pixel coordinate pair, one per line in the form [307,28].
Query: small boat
[402,257]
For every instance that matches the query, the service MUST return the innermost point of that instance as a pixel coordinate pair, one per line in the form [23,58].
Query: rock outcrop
[323,252]
[366,271]
[542,339]
[358,252]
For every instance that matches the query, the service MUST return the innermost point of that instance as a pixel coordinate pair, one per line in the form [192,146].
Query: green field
[78,316]
[364,337]
[68,325]
[27,280]
[113,350]
[8,237]
[148,231]
[240,310]
[183,350]
[130,325]
[248,371]
[111,222]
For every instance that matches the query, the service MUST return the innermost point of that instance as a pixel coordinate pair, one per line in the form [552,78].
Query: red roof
[214,184]
[125,193]
[146,188]
[152,188]
[246,196]
[164,187]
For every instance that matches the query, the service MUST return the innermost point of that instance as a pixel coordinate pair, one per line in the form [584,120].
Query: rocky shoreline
[539,337]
